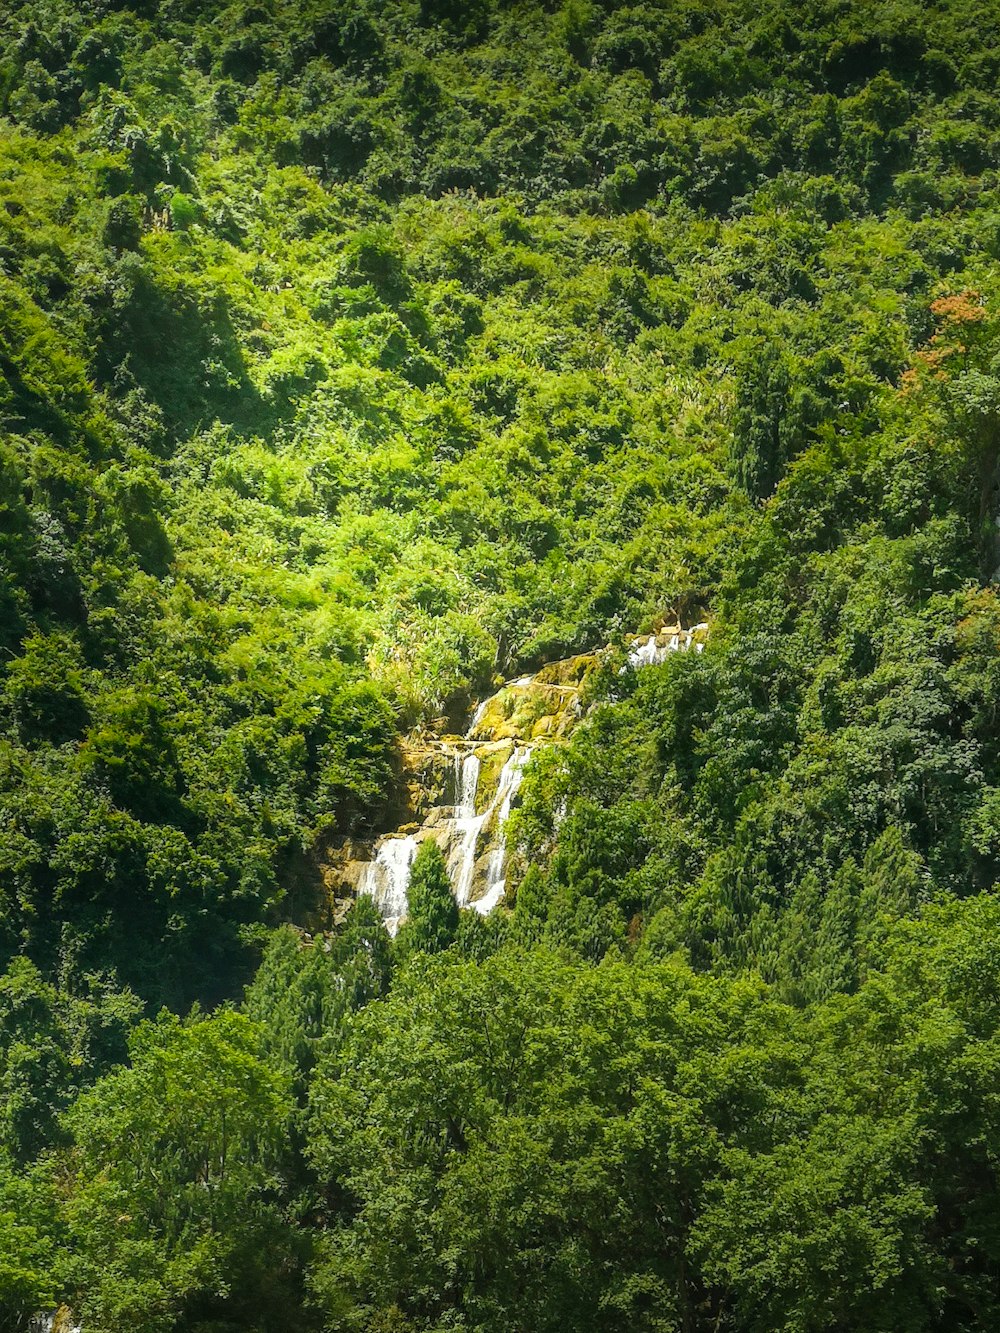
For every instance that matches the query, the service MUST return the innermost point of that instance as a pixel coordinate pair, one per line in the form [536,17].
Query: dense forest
[356,358]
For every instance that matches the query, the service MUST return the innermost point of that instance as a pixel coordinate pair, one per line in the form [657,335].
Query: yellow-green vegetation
[354,359]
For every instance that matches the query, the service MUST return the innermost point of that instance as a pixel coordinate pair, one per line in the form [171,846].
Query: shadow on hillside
[183,353]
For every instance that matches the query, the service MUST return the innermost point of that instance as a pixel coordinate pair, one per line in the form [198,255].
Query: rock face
[650,649]
[545,706]
[61,1321]
[459,790]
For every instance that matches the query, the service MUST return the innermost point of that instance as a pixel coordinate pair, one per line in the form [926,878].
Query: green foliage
[45,690]
[52,1044]
[303,996]
[176,1161]
[432,913]
[636,1147]
[324,359]
[354,358]
[27,1250]
[827,762]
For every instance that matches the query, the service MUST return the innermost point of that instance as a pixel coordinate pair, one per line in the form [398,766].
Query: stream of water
[464,834]
[469,831]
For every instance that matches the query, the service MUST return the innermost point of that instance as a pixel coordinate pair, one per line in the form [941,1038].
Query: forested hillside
[356,358]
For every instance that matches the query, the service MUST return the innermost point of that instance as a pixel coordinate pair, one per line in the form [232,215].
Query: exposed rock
[649,649]
[459,790]
[544,706]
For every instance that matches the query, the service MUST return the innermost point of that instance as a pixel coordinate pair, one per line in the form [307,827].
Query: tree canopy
[355,359]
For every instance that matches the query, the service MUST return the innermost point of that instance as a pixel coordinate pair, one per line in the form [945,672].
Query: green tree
[45,689]
[304,992]
[432,912]
[173,1207]
[28,1248]
[52,1044]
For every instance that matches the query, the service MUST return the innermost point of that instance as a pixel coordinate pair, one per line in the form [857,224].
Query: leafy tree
[52,1044]
[27,1249]
[432,912]
[46,689]
[176,1161]
[303,993]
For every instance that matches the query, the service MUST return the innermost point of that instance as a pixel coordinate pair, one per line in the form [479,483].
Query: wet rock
[459,790]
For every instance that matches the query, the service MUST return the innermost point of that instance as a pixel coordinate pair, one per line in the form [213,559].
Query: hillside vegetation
[353,359]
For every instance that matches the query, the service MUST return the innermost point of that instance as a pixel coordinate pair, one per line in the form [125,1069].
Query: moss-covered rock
[545,706]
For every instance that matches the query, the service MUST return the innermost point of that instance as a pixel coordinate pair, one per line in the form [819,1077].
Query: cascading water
[656,648]
[466,782]
[463,829]
[469,827]
[386,878]
[477,716]
[496,882]
[460,829]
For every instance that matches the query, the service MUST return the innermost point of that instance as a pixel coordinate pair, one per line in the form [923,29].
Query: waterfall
[386,878]
[477,717]
[466,825]
[459,830]
[528,711]
[645,652]
[466,783]
[510,779]
[656,648]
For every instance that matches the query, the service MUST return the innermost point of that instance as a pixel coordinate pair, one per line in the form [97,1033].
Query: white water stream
[386,878]
[464,827]
[462,832]
[471,834]
[656,648]
[496,881]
